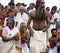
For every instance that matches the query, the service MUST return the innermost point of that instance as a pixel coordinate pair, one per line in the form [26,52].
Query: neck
[11,28]
[54,35]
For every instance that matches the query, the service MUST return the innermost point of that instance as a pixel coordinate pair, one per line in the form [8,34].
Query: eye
[43,3]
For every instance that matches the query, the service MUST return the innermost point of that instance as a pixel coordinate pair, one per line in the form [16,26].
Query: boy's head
[54,32]
[11,13]
[23,27]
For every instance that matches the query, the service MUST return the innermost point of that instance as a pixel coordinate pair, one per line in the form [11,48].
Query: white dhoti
[7,47]
[53,50]
[25,48]
[38,42]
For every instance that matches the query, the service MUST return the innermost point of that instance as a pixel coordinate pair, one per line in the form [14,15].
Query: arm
[51,42]
[17,37]
[58,41]
[26,37]
[5,39]
[4,35]
[48,20]
[28,24]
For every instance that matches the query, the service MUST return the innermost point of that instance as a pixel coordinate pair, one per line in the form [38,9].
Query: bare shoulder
[48,14]
[50,38]
[33,13]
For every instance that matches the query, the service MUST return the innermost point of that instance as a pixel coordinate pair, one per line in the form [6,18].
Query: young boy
[24,38]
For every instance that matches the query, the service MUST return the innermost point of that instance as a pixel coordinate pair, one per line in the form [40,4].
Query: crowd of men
[34,29]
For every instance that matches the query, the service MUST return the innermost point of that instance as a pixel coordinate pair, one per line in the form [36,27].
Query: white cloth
[19,19]
[59,16]
[25,17]
[31,10]
[12,32]
[51,26]
[25,48]
[56,15]
[38,42]
[5,46]
[53,50]
[9,47]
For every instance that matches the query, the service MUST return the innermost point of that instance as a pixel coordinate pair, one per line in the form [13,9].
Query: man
[53,20]
[53,41]
[22,16]
[12,6]
[32,7]
[40,24]
[48,9]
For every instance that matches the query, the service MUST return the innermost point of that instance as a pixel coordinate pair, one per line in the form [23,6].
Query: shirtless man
[38,31]
[53,41]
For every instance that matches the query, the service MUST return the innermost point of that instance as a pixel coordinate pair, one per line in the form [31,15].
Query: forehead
[54,31]
[10,21]
[41,0]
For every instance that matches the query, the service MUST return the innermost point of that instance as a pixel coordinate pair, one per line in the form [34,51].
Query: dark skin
[39,25]
[53,39]
[24,33]
[58,43]
[16,37]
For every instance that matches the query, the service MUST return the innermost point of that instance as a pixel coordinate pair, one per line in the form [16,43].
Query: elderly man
[40,24]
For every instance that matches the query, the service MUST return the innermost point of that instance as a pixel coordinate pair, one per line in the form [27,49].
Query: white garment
[56,15]
[25,17]
[53,50]
[25,48]
[9,47]
[12,32]
[59,16]
[51,26]
[31,10]
[38,42]
[19,19]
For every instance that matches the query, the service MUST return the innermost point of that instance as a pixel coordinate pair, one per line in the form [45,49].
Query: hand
[58,44]
[16,38]
[44,29]
[32,32]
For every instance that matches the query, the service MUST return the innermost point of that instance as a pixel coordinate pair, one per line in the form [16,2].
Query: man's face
[53,11]
[54,33]
[11,14]
[42,3]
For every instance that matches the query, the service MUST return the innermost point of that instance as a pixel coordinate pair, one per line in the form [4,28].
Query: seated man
[53,41]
